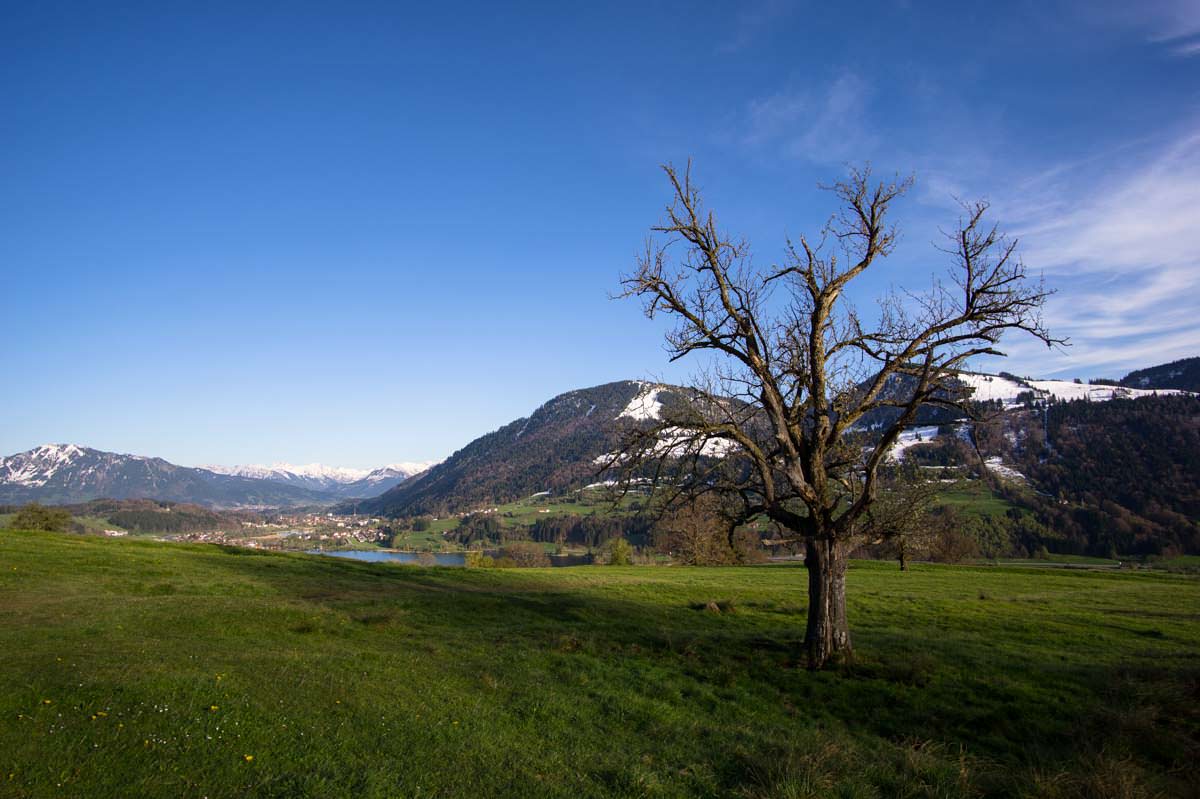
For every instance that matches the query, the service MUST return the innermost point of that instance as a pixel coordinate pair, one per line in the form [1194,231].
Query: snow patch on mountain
[997,467]
[911,437]
[1067,390]
[675,442]
[992,388]
[35,467]
[645,406]
[995,388]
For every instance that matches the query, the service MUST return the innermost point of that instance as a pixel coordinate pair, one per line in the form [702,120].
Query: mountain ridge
[1182,374]
[341,482]
[555,448]
[71,473]
[533,453]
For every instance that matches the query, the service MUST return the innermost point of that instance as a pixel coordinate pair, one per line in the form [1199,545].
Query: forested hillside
[555,448]
[1091,475]
[1120,476]
[1182,374]
[152,516]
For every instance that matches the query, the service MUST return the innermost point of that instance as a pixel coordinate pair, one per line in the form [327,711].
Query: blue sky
[364,233]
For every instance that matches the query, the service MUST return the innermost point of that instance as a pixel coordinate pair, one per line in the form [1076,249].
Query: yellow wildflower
[248,758]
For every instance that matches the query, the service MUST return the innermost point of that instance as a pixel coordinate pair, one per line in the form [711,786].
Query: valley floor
[133,668]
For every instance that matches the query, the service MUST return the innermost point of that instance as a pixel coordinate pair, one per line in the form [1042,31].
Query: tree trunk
[828,634]
[903,555]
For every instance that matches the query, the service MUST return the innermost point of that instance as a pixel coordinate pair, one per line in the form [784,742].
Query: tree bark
[828,635]
[903,555]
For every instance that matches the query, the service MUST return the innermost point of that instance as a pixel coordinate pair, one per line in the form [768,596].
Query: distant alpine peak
[34,467]
[321,472]
[340,474]
[61,452]
[65,473]
[407,468]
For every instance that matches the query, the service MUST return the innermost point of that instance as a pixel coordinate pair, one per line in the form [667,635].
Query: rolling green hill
[133,668]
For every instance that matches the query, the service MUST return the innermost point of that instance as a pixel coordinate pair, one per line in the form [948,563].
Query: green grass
[133,668]
[426,539]
[524,512]
[1055,559]
[442,525]
[973,497]
[95,524]
[1189,564]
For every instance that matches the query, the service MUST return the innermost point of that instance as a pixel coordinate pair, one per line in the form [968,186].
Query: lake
[376,556]
[440,559]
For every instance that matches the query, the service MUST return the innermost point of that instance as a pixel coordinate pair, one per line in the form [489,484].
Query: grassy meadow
[134,668]
[973,497]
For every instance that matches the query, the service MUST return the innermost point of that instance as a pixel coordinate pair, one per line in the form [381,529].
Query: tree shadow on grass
[898,689]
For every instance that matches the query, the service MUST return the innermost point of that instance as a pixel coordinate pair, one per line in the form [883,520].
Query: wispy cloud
[825,125]
[1145,219]
[1114,227]
[1174,24]
[1179,23]
[1124,254]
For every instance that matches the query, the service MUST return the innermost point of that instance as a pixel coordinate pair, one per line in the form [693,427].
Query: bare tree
[698,534]
[898,521]
[779,422]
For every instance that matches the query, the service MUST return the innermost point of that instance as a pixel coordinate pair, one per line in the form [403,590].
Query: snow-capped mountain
[555,448]
[342,482]
[386,478]
[561,444]
[319,474]
[67,473]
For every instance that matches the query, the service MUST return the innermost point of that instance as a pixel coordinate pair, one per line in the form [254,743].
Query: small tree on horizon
[619,552]
[795,374]
[899,518]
